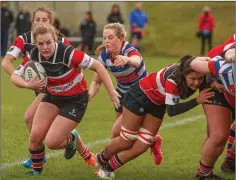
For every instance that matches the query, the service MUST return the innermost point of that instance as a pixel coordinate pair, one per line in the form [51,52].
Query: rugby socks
[231,136]
[85,154]
[104,157]
[114,163]
[204,170]
[37,159]
[230,153]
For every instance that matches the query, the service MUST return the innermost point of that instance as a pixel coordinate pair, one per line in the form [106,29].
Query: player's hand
[121,60]
[115,99]
[90,96]
[230,55]
[231,58]
[204,95]
[218,86]
[36,84]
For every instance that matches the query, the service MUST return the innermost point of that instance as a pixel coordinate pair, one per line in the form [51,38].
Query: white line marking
[59,152]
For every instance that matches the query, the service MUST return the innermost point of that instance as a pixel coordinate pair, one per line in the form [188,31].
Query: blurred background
[171,25]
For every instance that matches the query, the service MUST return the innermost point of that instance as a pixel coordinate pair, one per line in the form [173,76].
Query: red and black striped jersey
[63,69]
[23,45]
[161,87]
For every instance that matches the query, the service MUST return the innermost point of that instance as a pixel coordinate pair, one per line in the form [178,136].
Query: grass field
[183,136]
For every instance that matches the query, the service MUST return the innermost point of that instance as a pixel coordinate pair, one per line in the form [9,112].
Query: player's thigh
[33,107]
[218,119]
[130,120]
[60,129]
[44,116]
[151,123]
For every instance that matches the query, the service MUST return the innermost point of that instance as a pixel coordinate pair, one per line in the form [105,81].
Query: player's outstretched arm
[200,64]
[95,85]
[103,74]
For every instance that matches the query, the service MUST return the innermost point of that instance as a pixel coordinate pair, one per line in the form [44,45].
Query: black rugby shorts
[71,107]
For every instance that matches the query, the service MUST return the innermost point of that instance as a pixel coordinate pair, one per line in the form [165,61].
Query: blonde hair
[43,9]
[43,29]
[119,30]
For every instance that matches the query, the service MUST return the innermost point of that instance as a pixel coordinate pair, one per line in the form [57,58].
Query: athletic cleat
[156,150]
[210,177]
[28,162]
[33,173]
[105,174]
[92,161]
[228,166]
[70,149]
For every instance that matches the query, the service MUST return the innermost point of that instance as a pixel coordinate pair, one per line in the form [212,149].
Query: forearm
[94,87]
[7,65]
[179,108]
[200,64]
[105,78]
[134,61]
[18,81]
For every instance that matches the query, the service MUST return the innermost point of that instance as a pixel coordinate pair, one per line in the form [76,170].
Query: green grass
[181,145]
[172,26]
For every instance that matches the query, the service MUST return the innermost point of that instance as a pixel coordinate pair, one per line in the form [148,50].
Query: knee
[115,132]
[51,144]
[127,137]
[36,140]
[29,116]
[220,139]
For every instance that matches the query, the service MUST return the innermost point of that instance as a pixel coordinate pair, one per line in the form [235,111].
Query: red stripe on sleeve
[77,58]
[19,43]
[212,68]
[132,53]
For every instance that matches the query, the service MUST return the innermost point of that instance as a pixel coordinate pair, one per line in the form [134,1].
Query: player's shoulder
[128,48]
[104,54]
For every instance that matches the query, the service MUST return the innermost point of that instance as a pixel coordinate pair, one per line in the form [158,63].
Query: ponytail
[99,49]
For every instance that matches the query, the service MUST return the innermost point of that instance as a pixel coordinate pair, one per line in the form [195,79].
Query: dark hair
[182,69]
[90,15]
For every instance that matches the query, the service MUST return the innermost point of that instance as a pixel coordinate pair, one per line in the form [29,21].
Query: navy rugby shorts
[136,101]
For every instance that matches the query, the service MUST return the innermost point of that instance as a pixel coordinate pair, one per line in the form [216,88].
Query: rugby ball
[32,69]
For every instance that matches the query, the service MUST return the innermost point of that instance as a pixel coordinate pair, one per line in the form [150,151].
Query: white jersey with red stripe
[63,69]
[125,75]
[23,45]
[161,87]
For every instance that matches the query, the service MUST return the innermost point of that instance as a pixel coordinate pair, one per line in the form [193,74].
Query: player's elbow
[4,63]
